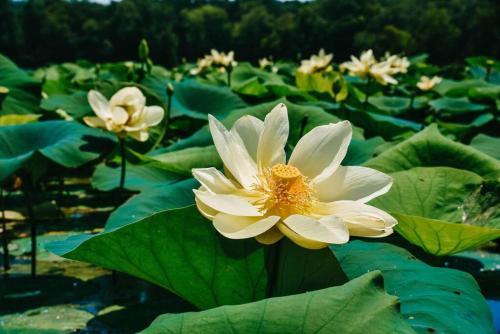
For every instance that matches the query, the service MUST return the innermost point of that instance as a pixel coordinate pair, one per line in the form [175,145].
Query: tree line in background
[37,32]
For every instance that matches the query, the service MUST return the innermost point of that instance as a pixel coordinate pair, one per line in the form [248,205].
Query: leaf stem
[367,92]
[5,241]
[123,163]
[28,194]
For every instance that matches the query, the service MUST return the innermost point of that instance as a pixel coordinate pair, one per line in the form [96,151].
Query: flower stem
[229,70]
[367,92]
[170,93]
[123,163]
[28,194]
[273,268]
[5,241]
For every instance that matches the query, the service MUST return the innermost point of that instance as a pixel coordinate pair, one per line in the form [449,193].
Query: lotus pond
[224,196]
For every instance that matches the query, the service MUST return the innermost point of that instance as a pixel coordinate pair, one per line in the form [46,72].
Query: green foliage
[65,143]
[357,303]
[431,298]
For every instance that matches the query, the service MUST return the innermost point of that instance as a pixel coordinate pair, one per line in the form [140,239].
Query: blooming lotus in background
[202,64]
[427,83]
[125,113]
[359,67]
[223,59]
[366,66]
[316,63]
[311,199]
[398,64]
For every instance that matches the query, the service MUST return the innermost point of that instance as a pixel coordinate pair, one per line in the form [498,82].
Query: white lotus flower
[398,64]
[223,59]
[311,199]
[367,66]
[427,83]
[359,67]
[125,113]
[316,63]
[202,64]
[382,73]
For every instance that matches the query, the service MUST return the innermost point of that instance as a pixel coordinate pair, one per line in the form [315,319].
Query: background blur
[38,32]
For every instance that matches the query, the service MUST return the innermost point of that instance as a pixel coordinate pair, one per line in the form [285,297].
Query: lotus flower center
[288,191]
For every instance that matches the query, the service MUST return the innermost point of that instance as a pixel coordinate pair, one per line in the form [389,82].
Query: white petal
[249,129]
[228,203]
[139,135]
[99,104]
[271,236]
[119,115]
[94,122]
[129,96]
[329,229]
[272,141]
[363,220]
[352,183]
[237,227]
[152,115]
[319,153]
[300,240]
[213,180]
[205,210]
[233,153]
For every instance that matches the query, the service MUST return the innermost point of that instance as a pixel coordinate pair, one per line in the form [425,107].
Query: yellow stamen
[288,191]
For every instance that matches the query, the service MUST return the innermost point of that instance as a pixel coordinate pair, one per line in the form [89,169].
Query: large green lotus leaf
[443,210]
[392,105]
[360,306]
[382,125]
[453,106]
[461,130]
[137,177]
[486,92]
[69,144]
[194,99]
[24,90]
[284,90]
[161,237]
[459,88]
[75,105]
[297,114]
[184,160]
[248,80]
[429,148]
[439,237]
[433,300]
[487,144]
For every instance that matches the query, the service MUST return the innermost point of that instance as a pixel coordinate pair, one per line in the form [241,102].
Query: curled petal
[131,97]
[94,122]
[363,220]
[300,240]
[271,236]
[139,135]
[329,229]
[152,116]
[227,203]
[237,227]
